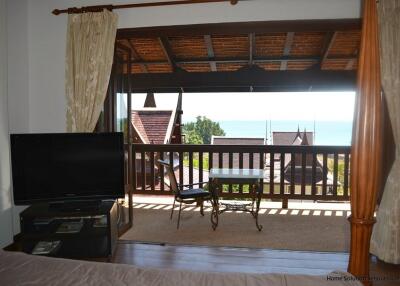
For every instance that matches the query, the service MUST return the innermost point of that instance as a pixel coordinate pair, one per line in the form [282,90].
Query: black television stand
[82,205]
[95,238]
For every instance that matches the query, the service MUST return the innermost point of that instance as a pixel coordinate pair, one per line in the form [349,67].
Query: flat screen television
[67,167]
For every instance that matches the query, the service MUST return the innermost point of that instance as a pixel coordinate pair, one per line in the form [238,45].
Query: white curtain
[89,58]
[6,206]
[385,241]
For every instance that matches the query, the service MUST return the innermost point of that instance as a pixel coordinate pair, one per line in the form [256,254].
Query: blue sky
[303,106]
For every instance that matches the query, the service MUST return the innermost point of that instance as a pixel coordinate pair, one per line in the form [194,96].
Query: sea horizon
[326,132]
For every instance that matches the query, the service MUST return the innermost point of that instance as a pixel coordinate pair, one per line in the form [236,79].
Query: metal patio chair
[185,194]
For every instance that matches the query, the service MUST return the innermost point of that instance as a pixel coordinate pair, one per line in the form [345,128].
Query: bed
[22,269]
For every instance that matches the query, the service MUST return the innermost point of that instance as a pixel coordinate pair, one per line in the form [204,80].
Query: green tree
[202,129]
[191,137]
[122,126]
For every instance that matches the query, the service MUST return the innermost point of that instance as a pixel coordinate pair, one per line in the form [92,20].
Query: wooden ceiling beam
[166,47]
[245,60]
[210,52]
[136,55]
[329,41]
[242,80]
[132,48]
[118,57]
[287,49]
[350,64]
[245,28]
[123,48]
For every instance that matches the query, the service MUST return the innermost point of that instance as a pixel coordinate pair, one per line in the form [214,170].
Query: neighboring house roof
[139,127]
[221,140]
[303,140]
[287,138]
[150,100]
[153,126]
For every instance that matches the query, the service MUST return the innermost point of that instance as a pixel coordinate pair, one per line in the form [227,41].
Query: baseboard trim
[14,246]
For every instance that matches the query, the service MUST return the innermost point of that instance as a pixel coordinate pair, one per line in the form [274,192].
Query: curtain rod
[98,8]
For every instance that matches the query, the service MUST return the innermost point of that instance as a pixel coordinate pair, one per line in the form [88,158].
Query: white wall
[18,76]
[37,44]
[6,232]
[46,38]
[18,102]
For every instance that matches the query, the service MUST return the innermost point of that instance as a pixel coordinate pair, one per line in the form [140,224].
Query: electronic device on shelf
[66,168]
[70,226]
[43,221]
[100,221]
[46,247]
[89,234]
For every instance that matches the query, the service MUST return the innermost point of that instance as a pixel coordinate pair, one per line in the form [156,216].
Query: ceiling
[284,49]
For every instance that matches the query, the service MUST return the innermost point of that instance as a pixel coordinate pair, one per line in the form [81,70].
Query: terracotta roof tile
[152,124]
[235,156]
[138,125]
[287,138]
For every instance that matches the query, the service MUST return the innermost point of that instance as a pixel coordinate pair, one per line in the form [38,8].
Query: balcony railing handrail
[319,149]
[288,171]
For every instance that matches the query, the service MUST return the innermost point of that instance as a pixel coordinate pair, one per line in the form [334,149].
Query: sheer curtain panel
[385,242]
[89,58]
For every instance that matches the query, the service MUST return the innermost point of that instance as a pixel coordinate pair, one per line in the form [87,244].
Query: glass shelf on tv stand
[75,205]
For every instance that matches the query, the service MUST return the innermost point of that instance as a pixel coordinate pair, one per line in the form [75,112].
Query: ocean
[326,132]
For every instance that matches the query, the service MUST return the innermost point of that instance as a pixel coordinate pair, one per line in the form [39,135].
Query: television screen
[67,166]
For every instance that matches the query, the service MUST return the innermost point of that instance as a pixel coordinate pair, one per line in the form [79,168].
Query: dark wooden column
[131,157]
[366,145]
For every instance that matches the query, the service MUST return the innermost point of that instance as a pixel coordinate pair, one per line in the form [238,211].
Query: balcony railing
[290,172]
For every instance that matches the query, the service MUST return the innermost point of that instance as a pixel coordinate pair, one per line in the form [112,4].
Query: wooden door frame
[366,144]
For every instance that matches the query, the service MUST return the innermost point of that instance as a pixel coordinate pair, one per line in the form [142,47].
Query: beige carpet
[283,229]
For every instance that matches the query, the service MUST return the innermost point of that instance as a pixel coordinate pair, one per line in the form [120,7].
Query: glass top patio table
[219,176]
[227,173]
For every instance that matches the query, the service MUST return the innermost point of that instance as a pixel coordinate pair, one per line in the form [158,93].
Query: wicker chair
[185,194]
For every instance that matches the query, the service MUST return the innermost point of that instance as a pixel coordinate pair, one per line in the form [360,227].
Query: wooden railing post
[256,159]
[366,144]
[131,159]
[285,203]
